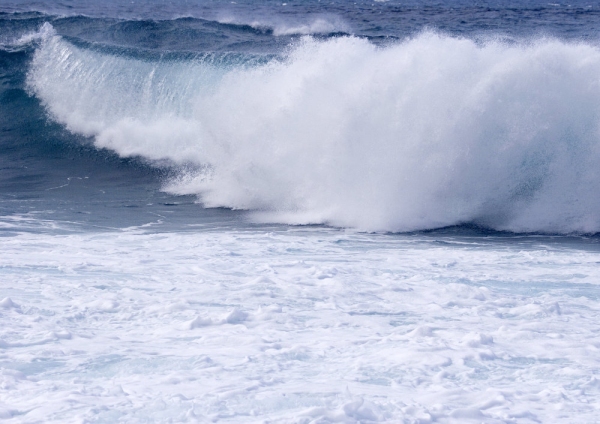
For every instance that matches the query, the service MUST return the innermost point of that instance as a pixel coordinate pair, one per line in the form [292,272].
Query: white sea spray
[428,132]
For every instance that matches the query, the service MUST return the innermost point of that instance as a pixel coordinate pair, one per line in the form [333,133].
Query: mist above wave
[429,132]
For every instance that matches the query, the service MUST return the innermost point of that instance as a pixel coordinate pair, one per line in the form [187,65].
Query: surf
[428,132]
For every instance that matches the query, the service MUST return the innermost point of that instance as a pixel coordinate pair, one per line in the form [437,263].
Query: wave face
[429,132]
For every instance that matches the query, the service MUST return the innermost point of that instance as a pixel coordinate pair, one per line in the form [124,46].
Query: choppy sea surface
[299,211]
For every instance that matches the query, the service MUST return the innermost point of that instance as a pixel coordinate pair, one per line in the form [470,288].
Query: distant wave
[179,34]
[430,132]
[275,24]
[280,27]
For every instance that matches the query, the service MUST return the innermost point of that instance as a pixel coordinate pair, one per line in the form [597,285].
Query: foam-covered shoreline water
[430,132]
[299,326]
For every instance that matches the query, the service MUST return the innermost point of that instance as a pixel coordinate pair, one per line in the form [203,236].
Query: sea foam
[428,132]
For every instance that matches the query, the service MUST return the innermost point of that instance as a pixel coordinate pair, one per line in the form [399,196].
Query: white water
[430,132]
[297,326]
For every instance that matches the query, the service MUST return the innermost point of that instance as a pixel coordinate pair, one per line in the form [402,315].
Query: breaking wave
[429,132]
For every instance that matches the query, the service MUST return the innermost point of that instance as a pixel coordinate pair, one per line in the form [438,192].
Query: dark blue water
[49,172]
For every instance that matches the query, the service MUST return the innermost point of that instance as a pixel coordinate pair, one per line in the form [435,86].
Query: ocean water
[299,211]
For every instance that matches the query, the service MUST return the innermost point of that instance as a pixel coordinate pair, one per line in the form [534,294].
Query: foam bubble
[432,131]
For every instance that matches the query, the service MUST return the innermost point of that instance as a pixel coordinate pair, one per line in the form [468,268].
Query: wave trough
[429,132]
